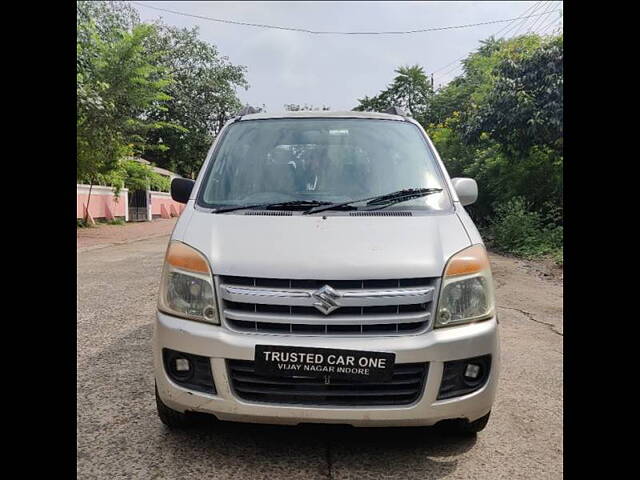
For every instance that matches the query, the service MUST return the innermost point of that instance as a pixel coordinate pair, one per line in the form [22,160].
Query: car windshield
[322,160]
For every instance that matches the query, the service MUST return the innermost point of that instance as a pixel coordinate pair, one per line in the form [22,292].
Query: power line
[442,68]
[320,32]
[540,20]
[525,21]
[543,28]
[506,28]
[552,22]
[503,29]
[545,10]
[513,24]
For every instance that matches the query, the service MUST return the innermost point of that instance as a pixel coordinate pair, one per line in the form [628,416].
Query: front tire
[170,417]
[464,427]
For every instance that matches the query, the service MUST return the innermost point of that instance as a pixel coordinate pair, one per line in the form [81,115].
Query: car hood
[330,248]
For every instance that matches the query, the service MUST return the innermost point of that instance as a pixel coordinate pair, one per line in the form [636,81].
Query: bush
[159,183]
[116,221]
[518,230]
[81,223]
[130,174]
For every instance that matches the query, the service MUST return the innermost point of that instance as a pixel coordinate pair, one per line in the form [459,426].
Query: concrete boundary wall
[103,204]
[163,206]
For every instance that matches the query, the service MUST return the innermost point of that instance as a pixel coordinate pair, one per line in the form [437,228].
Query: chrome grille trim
[327,307]
[322,319]
[348,298]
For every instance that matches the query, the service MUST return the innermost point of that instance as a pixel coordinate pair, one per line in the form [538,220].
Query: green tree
[109,17]
[133,175]
[525,104]
[521,118]
[118,89]
[410,90]
[467,92]
[499,122]
[203,98]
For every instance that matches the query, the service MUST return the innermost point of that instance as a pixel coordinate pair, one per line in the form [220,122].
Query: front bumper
[435,347]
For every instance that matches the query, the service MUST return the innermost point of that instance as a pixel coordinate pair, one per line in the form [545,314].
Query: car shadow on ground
[438,442]
[404,452]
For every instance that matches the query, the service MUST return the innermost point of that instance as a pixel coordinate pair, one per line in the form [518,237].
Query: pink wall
[159,199]
[102,200]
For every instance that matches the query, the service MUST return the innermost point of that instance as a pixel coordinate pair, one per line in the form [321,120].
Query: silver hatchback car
[325,270]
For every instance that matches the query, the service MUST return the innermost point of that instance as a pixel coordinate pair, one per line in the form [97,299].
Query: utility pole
[432,85]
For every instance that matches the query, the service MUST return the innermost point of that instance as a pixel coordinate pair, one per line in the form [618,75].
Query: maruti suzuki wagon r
[325,270]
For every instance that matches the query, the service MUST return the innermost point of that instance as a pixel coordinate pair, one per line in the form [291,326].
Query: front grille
[404,388]
[327,307]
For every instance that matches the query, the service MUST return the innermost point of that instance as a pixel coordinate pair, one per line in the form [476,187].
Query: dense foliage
[146,90]
[501,123]
[118,85]
[203,98]
[130,174]
[410,90]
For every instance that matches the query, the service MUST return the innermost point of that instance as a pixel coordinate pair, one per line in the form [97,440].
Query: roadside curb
[123,242]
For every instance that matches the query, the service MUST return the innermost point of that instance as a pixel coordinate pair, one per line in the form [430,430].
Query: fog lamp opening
[472,371]
[182,365]
[189,370]
[460,377]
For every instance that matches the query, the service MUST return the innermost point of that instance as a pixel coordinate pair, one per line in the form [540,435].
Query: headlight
[467,288]
[186,287]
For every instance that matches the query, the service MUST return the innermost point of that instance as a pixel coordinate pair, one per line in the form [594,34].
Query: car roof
[323,114]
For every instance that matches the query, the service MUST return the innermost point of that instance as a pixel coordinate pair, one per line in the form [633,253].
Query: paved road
[102,234]
[119,435]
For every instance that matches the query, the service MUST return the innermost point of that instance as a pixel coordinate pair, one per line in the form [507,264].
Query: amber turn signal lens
[182,256]
[470,260]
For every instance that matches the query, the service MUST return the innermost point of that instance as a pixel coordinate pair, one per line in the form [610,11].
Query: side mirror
[181,189]
[467,190]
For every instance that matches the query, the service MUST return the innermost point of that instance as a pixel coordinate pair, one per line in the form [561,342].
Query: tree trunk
[87,217]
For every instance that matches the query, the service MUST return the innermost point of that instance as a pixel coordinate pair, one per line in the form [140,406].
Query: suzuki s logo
[326,297]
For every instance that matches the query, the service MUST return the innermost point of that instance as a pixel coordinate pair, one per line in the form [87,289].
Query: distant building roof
[161,171]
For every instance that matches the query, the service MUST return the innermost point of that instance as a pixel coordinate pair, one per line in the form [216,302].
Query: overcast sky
[335,70]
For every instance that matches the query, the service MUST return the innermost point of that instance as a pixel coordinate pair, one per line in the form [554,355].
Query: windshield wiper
[269,206]
[380,200]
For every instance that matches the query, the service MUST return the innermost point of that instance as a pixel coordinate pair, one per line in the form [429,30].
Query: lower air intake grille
[404,388]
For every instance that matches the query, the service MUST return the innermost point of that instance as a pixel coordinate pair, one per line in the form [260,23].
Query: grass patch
[82,223]
[115,221]
[517,230]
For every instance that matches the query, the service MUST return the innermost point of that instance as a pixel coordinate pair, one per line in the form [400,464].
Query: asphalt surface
[119,435]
